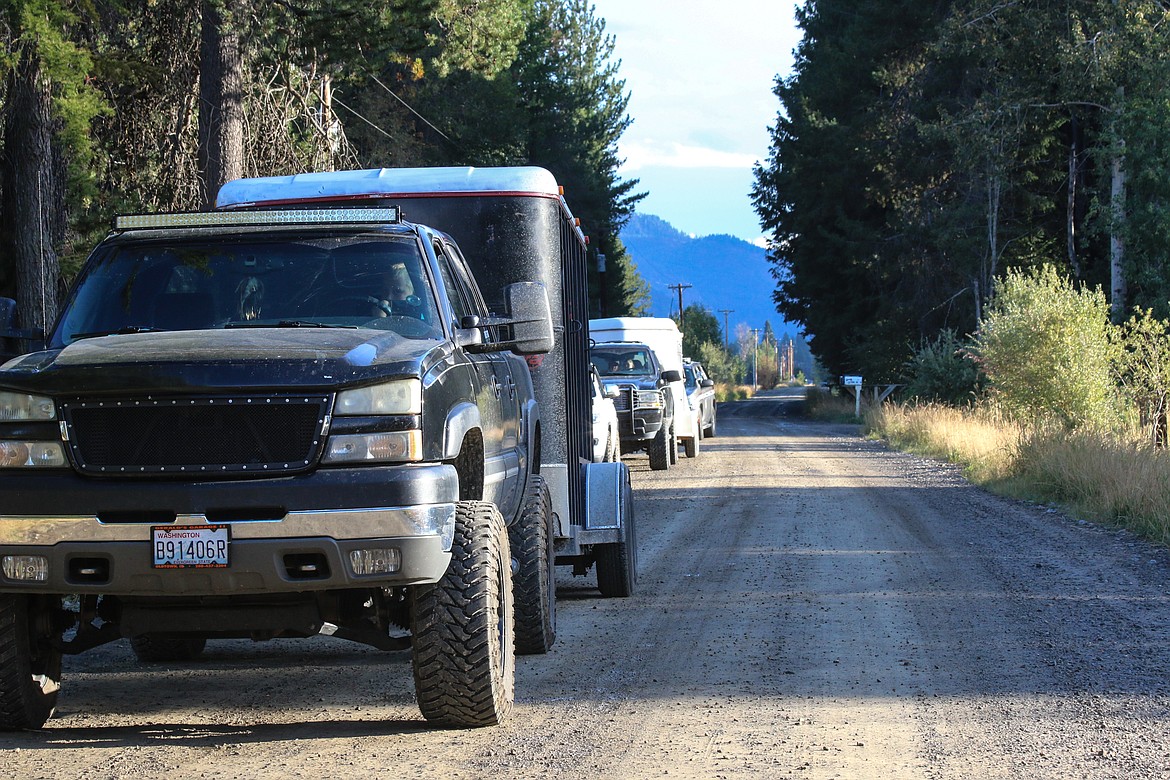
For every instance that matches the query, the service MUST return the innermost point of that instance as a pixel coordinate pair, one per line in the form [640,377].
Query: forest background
[121,106]
[924,149]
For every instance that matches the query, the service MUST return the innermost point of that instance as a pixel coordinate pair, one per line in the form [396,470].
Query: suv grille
[273,435]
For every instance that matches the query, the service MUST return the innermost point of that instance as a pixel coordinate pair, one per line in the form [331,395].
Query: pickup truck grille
[209,436]
[622,403]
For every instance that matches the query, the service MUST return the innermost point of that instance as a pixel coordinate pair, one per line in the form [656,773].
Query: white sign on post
[854,383]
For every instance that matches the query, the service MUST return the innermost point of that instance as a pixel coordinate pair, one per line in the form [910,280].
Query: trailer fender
[607,515]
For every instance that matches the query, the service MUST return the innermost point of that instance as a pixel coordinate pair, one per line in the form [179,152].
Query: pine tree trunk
[31,189]
[221,97]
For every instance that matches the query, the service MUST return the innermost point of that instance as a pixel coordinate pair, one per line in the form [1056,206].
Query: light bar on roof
[279,217]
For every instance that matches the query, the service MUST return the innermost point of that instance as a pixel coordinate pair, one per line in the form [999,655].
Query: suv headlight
[20,406]
[403,396]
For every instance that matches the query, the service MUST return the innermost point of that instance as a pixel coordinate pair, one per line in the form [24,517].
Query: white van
[662,335]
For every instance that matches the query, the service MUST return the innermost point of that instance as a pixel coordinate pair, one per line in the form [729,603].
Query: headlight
[650,399]
[403,396]
[18,406]
[393,447]
[31,454]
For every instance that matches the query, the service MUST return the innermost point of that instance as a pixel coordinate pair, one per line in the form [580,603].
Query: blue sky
[700,77]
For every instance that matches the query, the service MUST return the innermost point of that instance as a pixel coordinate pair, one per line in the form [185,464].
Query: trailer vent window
[247,218]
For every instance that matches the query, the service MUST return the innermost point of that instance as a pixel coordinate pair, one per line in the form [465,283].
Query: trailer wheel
[30,667]
[659,450]
[533,580]
[691,446]
[464,654]
[153,649]
[710,432]
[617,563]
[673,449]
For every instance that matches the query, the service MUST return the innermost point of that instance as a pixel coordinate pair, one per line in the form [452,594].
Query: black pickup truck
[272,424]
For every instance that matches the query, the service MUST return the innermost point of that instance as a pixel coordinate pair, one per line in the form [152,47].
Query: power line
[411,109]
[339,102]
[726,333]
[680,287]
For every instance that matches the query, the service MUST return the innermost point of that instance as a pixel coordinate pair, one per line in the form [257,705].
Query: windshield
[366,280]
[623,361]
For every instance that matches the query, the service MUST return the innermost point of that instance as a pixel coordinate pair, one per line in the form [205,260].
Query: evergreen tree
[575,106]
[48,107]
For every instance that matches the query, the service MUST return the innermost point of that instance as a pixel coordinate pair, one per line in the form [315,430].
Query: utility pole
[680,287]
[726,335]
[602,293]
[755,357]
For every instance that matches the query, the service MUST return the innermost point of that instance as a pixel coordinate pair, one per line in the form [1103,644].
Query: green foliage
[574,106]
[51,32]
[336,84]
[924,149]
[1144,371]
[699,327]
[1047,350]
[721,365]
[944,370]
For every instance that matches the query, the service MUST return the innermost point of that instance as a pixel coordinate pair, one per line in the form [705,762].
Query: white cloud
[644,154]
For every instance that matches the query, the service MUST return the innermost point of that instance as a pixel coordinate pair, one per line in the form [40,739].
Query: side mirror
[530,316]
[706,383]
[468,334]
[672,375]
[11,338]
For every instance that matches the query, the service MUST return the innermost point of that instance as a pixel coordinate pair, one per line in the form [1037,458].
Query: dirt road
[810,606]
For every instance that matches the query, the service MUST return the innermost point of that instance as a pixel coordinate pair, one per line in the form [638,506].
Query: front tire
[534,582]
[463,627]
[30,667]
[659,450]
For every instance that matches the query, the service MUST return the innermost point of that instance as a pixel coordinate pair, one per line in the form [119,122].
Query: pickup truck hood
[217,360]
[640,382]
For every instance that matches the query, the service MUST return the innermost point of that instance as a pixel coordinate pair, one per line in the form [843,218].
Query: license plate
[190,546]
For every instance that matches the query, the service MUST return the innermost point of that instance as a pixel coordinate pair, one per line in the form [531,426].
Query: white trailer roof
[387,182]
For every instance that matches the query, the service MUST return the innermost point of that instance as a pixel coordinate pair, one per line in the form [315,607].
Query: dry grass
[1101,478]
[1098,476]
[728,392]
[983,443]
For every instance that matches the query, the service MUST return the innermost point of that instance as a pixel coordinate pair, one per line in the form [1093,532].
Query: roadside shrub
[1143,372]
[721,365]
[1047,351]
[943,370]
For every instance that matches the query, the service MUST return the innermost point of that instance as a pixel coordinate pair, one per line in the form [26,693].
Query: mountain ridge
[666,256]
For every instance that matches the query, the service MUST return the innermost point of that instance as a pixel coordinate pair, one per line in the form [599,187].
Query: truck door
[501,413]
